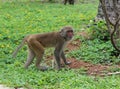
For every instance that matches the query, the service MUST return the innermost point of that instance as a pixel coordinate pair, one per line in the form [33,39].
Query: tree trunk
[110,10]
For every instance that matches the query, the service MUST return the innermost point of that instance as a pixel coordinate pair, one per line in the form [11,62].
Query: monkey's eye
[70,31]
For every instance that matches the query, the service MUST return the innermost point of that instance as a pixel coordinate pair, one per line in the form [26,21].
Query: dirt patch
[91,69]
[94,69]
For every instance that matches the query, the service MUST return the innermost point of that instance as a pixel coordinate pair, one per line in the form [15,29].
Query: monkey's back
[46,39]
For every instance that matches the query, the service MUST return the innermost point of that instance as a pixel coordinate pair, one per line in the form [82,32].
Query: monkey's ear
[62,33]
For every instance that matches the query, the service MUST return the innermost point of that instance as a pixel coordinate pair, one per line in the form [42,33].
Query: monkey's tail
[19,47]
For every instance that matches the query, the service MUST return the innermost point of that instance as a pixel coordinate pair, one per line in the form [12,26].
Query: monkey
[71,2]
[37,42]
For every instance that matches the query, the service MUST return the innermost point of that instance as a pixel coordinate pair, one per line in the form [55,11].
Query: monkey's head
[67,33]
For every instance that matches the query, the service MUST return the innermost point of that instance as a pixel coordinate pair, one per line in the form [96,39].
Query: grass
[20,19]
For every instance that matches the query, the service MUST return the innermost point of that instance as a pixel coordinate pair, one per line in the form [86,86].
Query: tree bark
[110,10]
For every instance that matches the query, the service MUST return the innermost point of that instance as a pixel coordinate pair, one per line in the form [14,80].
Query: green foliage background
[18,19]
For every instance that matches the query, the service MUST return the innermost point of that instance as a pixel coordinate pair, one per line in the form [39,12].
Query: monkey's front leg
[64,58]
[57,58]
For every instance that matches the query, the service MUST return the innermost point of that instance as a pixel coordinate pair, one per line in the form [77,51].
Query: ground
[89,68]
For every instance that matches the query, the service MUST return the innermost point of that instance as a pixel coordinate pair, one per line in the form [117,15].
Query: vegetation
[99,48]
[22,18]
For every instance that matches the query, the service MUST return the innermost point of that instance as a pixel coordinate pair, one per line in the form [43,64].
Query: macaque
[70,2]
[37,42]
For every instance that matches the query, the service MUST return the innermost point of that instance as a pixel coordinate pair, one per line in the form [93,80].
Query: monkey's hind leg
[39,52]
[30,57]
[38,60]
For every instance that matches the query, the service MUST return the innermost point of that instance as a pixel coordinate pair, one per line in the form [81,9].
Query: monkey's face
[67,33]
